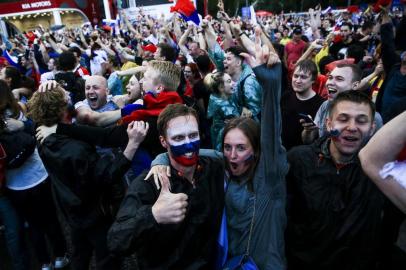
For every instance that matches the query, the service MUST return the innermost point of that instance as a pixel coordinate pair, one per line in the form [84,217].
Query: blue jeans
[14,234]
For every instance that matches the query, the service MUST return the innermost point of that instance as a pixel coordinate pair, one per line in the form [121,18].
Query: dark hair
[252,131]
[167,52]
[355,70]
[7,100]
[195,70]
[236,50]
[324,61]
[308,66]
[76,50]
[356,52]
[367,25]
[352,96]
[171,111]
[203,62]
[66,61]
[183,61]
[15,75]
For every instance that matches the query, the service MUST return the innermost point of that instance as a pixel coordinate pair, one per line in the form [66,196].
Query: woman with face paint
[256,164]
[221,105]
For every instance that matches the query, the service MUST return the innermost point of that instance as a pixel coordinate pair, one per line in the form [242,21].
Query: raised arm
[100,119]
[268,70]
[383,148]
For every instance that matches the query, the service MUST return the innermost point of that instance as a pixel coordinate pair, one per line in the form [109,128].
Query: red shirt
[294,50]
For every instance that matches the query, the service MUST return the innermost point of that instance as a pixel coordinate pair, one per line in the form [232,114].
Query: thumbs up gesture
[170,208]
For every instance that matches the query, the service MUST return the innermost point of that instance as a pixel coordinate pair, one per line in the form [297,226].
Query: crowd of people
[274,143]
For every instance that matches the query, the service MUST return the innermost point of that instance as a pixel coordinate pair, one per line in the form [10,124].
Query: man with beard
[299,103]
[176,227]
[334,210]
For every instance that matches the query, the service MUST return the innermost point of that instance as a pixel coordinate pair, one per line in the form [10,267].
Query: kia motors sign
[21,6]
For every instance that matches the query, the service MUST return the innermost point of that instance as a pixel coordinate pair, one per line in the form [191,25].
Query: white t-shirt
[97,61]
[396,169]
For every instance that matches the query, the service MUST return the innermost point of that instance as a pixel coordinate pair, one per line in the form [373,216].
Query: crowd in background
[315,87]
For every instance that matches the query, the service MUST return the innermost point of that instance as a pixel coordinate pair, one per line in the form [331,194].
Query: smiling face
[96,91]
[301,81]
[232,64]
[133,89]
[228,85]
[355,123]
[339,80]
[238,152]
[182,140]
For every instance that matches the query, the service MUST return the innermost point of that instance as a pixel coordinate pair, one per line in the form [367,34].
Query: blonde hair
[168,74]
[47,108]
[214,81]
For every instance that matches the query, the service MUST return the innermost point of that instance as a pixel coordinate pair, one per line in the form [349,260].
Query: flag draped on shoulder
[187,10]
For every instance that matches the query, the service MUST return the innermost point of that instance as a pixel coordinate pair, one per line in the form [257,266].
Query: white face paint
[181,130]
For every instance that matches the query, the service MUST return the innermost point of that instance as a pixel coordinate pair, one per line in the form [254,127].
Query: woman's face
[228,85]
[51,64]
[188,73]
[133,89]
[238,152]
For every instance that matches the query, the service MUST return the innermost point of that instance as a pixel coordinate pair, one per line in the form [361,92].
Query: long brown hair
[7,101]
[252,131]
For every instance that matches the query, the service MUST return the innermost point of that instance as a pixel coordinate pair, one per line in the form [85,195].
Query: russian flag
[187,10]
[222,243]
[12,60]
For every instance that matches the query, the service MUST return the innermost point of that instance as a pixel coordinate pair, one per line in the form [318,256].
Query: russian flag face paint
[186,154]
[183,140]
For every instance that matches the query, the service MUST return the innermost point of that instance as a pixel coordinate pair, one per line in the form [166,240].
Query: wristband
[242,33]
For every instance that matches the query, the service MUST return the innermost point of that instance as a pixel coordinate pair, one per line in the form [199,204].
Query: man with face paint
[343,78]
[335,212]
[175,227]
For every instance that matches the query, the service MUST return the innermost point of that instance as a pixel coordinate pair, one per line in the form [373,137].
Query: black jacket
[334,213]
[80,178]
[187,245]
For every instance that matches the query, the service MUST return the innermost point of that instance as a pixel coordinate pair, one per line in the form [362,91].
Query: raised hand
[169,208]
[261,52]
[137,130]
[48,85]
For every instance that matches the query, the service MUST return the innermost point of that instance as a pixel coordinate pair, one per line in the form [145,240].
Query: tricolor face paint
[183,140]
[238,152]
[350,126]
